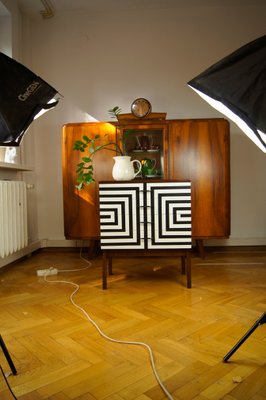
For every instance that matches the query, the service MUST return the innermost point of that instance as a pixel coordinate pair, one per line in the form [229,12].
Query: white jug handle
[139,165]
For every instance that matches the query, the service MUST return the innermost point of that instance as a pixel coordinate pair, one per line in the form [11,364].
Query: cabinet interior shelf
[145,151]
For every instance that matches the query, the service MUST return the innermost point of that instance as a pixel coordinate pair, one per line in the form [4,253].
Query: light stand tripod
[260,321]
[7,355]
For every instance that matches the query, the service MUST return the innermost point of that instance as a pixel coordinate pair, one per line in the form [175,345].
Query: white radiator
[13,217]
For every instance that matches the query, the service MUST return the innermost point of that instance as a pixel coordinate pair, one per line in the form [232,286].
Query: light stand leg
[260,321]
[7,355]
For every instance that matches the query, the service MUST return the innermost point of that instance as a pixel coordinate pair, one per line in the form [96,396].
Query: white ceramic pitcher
[123,169]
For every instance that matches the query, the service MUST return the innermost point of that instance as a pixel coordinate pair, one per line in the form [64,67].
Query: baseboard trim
[40,244]
[207,242]
[21,253]
[50,243]
[235,242]
[64,243]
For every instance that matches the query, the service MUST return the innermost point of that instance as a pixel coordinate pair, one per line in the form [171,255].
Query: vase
[123,169]
[148,166]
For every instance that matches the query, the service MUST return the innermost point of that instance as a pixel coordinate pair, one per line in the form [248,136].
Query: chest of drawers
[145,219]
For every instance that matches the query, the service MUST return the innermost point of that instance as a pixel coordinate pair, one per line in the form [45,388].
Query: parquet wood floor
[59,354]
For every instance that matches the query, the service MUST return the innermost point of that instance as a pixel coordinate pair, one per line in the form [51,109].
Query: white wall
[98,61]
[15,35]
[5,35]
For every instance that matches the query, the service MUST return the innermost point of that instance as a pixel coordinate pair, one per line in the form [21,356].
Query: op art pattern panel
[168,215]
[145,215]
[121,216]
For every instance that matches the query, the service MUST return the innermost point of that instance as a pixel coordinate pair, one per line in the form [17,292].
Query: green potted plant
[123,168]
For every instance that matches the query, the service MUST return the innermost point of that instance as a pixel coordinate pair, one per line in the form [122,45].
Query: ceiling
[3,10]
[33,8]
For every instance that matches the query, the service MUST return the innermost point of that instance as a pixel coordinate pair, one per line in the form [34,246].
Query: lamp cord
[148,348]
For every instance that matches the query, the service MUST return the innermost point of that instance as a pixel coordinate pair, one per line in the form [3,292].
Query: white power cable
[77,287]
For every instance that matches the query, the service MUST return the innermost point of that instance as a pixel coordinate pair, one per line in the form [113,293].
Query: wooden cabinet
[200,153]
[81,209]
[196,150]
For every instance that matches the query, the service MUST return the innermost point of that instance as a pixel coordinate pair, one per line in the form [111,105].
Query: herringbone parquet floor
[60,355]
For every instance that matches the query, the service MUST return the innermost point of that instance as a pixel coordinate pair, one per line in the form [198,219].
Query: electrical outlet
[47,272]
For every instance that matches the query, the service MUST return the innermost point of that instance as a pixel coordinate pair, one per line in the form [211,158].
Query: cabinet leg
[93,248]
[188,270]
[200,248]
[104,271]
[183,265]
[110,266]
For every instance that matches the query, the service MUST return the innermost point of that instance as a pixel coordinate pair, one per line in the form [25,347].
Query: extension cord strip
[47,272]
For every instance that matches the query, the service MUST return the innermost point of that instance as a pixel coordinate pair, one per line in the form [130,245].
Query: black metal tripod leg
[260,321]
[7,355]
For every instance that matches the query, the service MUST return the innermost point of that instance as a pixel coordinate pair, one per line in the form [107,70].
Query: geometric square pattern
[154,215]
[121,216]
[169,215]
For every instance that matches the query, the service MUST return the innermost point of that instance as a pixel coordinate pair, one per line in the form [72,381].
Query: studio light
[236,86]
[23,97]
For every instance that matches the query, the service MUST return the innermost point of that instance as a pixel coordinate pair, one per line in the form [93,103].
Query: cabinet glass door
[147,146]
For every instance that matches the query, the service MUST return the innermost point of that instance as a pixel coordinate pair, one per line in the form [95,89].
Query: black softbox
[23,95]
[237,84]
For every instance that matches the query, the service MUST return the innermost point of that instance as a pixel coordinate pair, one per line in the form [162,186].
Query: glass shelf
[147,146]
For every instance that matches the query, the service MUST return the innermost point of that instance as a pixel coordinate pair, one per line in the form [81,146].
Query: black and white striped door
[122,216]
[145,215]
[168,215]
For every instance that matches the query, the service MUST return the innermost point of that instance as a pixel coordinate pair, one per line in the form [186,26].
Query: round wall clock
[140,107]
